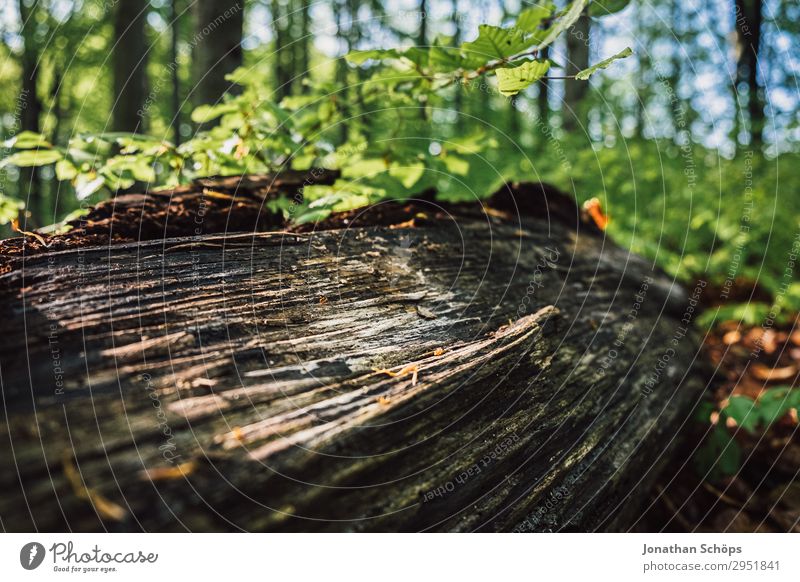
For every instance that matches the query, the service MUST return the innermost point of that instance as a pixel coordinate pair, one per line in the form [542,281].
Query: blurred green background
[691,144]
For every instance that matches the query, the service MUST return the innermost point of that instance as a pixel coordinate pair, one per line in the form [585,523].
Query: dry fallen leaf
[168,473]
[406,224]
[105,508]
[763,372]
[37,236]
[731,337]
[595,210]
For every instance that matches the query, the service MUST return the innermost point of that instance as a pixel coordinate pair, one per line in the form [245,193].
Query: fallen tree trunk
[421,369]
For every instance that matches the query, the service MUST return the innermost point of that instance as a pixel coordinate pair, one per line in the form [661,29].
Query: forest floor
[763,493]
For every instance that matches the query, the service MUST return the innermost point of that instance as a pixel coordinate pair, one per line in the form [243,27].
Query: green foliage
[604,7]
[512,80]
[720,454]
[251,133]
[566,19]
[28,158]
[771,405]
[532,18]
[604,64]
[9,208]
[494,42]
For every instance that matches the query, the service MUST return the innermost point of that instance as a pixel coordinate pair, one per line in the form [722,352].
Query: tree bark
[218,49]
[749,16]
[175,93]
[573,110]
[543,99]
[30,108]
[304,43]
[282,47]
[130,66]
[414,369]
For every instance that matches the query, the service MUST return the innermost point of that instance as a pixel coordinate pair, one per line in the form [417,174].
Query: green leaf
[531,18]
[417,55]
[442,59]
[9,209]
[313,216]
[407,174]
[704,412]
[137,167]
[473,143]
[365,167]
[360,57]
[494,43]
[566,19]
[776,402]
[512,80]
[26,140]
[206,113]
[65,170]
[605,7]
[243,76]
[744,411]
[456,165]
[30,158]
[87,184]
[720,455]
[586,73]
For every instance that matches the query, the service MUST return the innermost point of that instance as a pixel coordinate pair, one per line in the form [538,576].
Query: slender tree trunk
[174,70]
[304,43]
[749,16]
[573,113]
[281,28]
[677,108]
[543,99]
[347,28]
[56,206]
[458,98]
[218,33]
[422,33]
[130,63]
[422,41]
[30,108]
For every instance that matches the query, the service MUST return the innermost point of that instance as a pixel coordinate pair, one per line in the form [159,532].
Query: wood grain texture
[469,373]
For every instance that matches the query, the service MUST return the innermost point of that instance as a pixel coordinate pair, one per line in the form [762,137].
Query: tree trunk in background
[303,44]
[130,62]
[749,17]
[677,109]
[573,113]
[176,82]
[422,41]
[543,99]
[346,12]
[458,97]
[30,108]
[282,51]
[218,33]
[422,33]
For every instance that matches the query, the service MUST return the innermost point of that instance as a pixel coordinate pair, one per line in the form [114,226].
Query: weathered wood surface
[239,381]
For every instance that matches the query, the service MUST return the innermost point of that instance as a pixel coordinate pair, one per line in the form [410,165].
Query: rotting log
[419,368]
